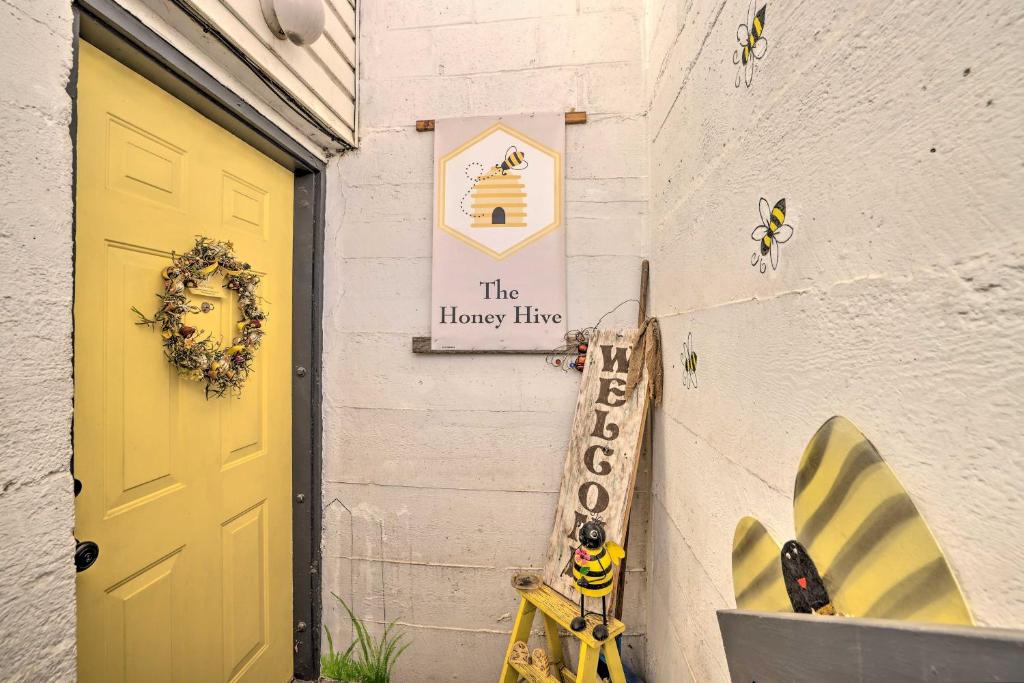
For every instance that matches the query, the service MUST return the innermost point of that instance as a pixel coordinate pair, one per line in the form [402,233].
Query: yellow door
[189,499]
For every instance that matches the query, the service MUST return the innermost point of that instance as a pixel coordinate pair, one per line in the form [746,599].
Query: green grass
[367,659]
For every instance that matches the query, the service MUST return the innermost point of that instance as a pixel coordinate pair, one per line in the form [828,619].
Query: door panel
[189,499]
[245,589]
[140,623]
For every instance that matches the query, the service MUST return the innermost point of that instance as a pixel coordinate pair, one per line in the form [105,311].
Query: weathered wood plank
[604,450]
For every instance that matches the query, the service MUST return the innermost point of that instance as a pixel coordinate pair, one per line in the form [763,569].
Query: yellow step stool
[558,612]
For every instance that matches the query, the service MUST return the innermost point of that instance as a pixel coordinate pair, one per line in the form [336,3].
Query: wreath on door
[194,352]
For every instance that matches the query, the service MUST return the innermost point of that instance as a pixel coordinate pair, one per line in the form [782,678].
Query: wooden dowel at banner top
[571,118]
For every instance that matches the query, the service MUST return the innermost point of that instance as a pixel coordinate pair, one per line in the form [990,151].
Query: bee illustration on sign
[752,44]
[772,232]
[498,198]
[689,360]
[514,161]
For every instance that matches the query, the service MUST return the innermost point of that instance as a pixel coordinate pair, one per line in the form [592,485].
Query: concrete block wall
[897,302]
[442,472]
[37,575]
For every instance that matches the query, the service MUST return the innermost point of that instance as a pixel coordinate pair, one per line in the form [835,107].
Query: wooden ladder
[558,612]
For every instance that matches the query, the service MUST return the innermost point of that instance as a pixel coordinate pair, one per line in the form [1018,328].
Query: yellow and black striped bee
[862,548]
[593,569]
[514,160]
[689,360]
[772,232]
[752,46]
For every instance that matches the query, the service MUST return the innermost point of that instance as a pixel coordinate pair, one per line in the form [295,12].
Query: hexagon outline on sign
[529,238]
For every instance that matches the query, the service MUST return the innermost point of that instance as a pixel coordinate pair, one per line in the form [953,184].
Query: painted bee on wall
[772,232]
[752,45]
[514,160]
[689,360]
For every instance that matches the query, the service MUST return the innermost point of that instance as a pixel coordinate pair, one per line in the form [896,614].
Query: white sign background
[498,288]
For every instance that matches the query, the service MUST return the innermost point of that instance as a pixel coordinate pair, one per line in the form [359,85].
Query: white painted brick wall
[897,302]
[37,575]
[441,472]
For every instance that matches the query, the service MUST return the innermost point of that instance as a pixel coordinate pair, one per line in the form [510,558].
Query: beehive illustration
[499,201]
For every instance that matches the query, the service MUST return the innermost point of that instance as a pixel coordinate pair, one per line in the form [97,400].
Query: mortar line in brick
[455,411]
[450,488]
[448,565]
[524,69]
[432,627]
[509,20]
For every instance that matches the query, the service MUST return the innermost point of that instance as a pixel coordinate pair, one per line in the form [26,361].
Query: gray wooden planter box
[796,648]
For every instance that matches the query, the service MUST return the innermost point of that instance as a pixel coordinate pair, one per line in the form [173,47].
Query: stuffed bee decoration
[593,569]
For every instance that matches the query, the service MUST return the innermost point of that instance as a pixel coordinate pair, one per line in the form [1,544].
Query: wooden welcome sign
[604,451]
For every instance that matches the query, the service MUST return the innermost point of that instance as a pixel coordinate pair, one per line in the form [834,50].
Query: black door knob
[86,554]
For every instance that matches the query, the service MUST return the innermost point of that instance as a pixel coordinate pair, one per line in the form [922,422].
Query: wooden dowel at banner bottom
[423,345]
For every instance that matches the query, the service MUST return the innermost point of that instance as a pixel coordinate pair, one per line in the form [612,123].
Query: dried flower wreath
[198,357]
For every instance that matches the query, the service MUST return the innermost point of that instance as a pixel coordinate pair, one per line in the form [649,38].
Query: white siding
[320,78]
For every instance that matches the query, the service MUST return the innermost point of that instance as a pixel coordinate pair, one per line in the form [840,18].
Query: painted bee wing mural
[760,47]
[757,569]
[765,211]
[742,34]
[774,249]
[759,232]
[873,549]
[783,234]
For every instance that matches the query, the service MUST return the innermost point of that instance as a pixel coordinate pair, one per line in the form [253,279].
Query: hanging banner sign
[499,235]
[604,451]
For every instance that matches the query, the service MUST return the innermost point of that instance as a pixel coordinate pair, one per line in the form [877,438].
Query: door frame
[121,35]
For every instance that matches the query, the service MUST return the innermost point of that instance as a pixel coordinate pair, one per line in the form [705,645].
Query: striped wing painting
[865,537]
